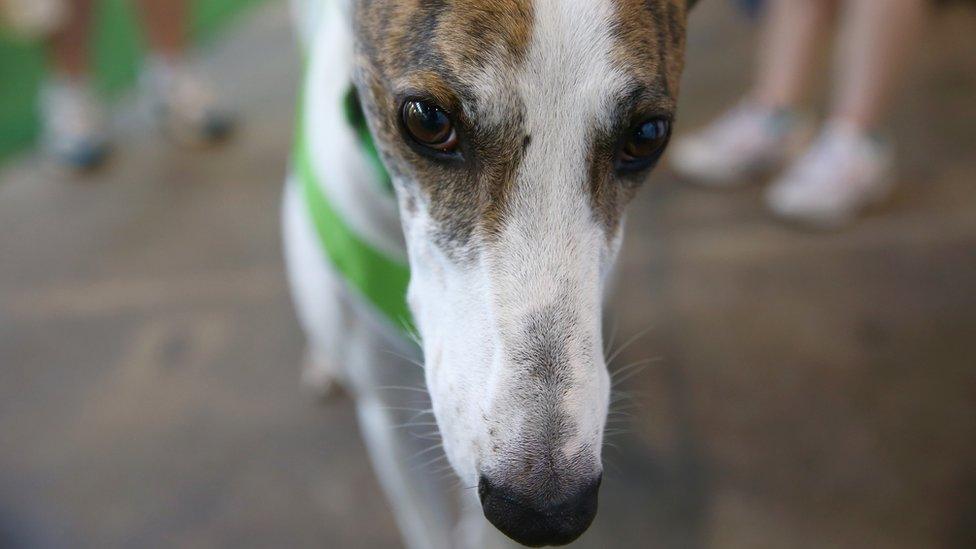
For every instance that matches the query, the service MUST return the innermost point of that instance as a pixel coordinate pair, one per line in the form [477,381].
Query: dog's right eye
[429,125]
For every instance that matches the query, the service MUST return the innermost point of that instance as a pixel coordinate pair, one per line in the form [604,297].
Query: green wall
[117,48]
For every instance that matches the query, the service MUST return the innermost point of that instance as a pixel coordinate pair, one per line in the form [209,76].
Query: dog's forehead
[477,47]
[542,89]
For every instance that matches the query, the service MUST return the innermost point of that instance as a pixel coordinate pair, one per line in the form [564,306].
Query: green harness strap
[380,279]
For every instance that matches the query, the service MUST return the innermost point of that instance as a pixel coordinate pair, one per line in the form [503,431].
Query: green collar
[380,279]
[357,121]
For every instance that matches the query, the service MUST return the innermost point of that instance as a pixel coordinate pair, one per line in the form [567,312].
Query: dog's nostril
[539,525]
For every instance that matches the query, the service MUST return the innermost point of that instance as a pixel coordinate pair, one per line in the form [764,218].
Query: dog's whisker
[644,362]
[443,469]
[622,404]
[426,436]
[608,444]
[628,371]
[628,343]
[627,405]
[628,375]
[621,413]
[411,331]
[419,415]
[625,398]
[401,388]
[411,360]
[446,468]
[409,425]
[426,450]
[427,464]
[454,485]
[427,403]
[418,411]
[625,371]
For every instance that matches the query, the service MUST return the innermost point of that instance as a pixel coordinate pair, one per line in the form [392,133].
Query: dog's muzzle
[539,525]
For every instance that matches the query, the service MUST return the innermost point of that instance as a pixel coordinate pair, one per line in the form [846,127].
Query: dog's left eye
[429,125]
[644,144]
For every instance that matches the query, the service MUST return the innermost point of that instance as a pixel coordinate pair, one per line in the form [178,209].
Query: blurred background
[810,389]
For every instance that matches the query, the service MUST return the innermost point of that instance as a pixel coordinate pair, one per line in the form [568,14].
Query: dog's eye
[644,144]
[429,125]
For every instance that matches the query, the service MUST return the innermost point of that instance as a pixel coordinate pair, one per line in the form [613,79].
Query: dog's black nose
[537,525]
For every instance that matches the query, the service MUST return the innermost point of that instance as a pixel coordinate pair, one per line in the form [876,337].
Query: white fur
[468,314]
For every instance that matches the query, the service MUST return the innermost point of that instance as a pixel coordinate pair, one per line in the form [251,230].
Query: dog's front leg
[345,346]
[408,466]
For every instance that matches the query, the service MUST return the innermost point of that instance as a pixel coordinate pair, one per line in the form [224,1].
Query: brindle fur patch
[650,48]
[441,48]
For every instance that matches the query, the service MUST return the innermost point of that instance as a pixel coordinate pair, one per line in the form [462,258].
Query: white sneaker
[747,141]
[185,103]
[844,171]
[74,131]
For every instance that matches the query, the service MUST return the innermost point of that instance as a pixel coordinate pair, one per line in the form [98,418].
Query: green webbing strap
[356,119]
[382,280]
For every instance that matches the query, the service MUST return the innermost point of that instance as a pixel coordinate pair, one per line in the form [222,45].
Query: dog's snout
[538,525]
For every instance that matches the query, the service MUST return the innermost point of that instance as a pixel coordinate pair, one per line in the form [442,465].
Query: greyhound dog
[458,190]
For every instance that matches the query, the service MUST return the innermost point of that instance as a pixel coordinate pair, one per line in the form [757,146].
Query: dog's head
[516,132]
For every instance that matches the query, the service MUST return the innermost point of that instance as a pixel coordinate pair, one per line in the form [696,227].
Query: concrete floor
[813,390]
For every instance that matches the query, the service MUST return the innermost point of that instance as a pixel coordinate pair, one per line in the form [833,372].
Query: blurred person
[183,101]
[849,164]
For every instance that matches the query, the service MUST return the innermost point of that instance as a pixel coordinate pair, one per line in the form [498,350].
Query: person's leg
[849,166]
[184,100]
[73,122]
[69,47]
[763,130]
[877,41]
[788,48]
[166,26]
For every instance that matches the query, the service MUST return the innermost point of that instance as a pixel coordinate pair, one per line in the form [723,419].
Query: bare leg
[876,43]
[787,49]
[186,102]
[847,169]
[69,49]
[762,132]
[368,363]
[166,26]
[74,129]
